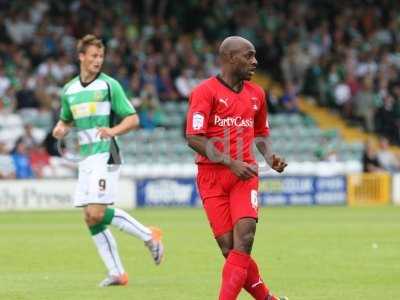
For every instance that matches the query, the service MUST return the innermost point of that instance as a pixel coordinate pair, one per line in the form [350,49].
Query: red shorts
[225,197]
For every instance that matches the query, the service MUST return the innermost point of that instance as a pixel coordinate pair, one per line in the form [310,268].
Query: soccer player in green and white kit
[90,102]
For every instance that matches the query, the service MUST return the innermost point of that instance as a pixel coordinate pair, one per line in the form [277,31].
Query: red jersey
[230,119]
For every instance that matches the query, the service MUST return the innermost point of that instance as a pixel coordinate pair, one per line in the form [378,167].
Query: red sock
[254,284]
[234,275]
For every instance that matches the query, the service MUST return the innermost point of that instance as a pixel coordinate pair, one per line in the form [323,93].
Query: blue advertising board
[273,190]
[166,192]
[303,190]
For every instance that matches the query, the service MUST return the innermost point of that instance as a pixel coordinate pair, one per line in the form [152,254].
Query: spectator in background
[384,118]
[26,96]
[56,68]
[135,87]
[39,159]
[28,138]
[331,155]
[23,169]
[46,91]
[20,27]
[370,160]
[365,104]
[185,83]
[289,99]
[354,86]
[268,54]
[394,135]
[165,86]
[8,101]
[342,94]
[4,38]
[294,64]
[7,168]
[5,82]
[332,79]
[386,158]
[150,112]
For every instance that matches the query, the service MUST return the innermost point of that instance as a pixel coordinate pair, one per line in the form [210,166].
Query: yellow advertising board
[368,188]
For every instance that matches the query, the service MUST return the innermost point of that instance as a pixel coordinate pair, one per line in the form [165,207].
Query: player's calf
[243,235]
[225,243]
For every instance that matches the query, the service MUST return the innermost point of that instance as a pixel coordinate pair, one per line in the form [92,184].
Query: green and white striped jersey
[91,106]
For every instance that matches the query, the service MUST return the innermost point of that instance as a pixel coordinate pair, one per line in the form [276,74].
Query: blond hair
[88,40]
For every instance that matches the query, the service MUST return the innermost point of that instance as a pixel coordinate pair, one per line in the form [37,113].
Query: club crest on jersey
[97,96]
[254,101]
[197,121]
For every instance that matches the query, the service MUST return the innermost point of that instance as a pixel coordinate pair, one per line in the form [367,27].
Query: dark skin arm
[277,163]
[205,147]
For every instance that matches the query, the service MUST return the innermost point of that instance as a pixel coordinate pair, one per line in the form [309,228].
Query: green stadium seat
[293,136]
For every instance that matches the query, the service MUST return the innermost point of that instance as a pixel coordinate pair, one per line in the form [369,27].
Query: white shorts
[97,181]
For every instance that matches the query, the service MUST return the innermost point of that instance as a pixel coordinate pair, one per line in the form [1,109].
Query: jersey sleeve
[261,124]
[200,104]
[119,102]
[65,112]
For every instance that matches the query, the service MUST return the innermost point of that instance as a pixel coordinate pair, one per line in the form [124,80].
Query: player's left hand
[278,163]
[105,133]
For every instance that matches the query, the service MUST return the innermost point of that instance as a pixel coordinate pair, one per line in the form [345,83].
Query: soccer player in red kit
[227,114]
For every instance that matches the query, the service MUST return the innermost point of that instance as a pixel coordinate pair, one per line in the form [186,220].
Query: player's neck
[232,81]
[87,77]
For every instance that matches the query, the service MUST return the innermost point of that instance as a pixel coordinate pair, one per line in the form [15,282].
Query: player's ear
[81,56]
[232,57]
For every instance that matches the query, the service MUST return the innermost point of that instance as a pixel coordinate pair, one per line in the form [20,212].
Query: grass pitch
[306,253]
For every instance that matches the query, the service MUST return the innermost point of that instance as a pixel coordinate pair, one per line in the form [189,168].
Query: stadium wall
[52,194]
[358,189]
[282,190]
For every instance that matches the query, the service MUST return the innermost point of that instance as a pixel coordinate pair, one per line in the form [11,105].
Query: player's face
[92,59]
[246,62]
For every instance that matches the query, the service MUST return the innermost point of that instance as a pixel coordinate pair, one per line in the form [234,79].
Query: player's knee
[94,217]
[87,220]
[248,239]
[245,242]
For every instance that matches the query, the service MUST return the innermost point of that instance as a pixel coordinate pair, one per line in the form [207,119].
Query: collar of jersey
[85,84]
[227,85]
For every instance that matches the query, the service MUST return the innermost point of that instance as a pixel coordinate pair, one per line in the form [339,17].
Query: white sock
[107,247]
[125,222]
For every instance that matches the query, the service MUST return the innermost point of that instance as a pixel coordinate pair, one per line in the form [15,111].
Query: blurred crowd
[378,158]
[158,51]
[345,54]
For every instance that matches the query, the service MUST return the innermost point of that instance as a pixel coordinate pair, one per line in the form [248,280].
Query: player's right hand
[278,163]
[60,131]
[243,170]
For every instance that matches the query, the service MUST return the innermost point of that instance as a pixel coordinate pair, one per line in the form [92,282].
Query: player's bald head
[238,57]
[233,44]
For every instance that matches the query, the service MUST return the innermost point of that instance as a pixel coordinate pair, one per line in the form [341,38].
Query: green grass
[306,253]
